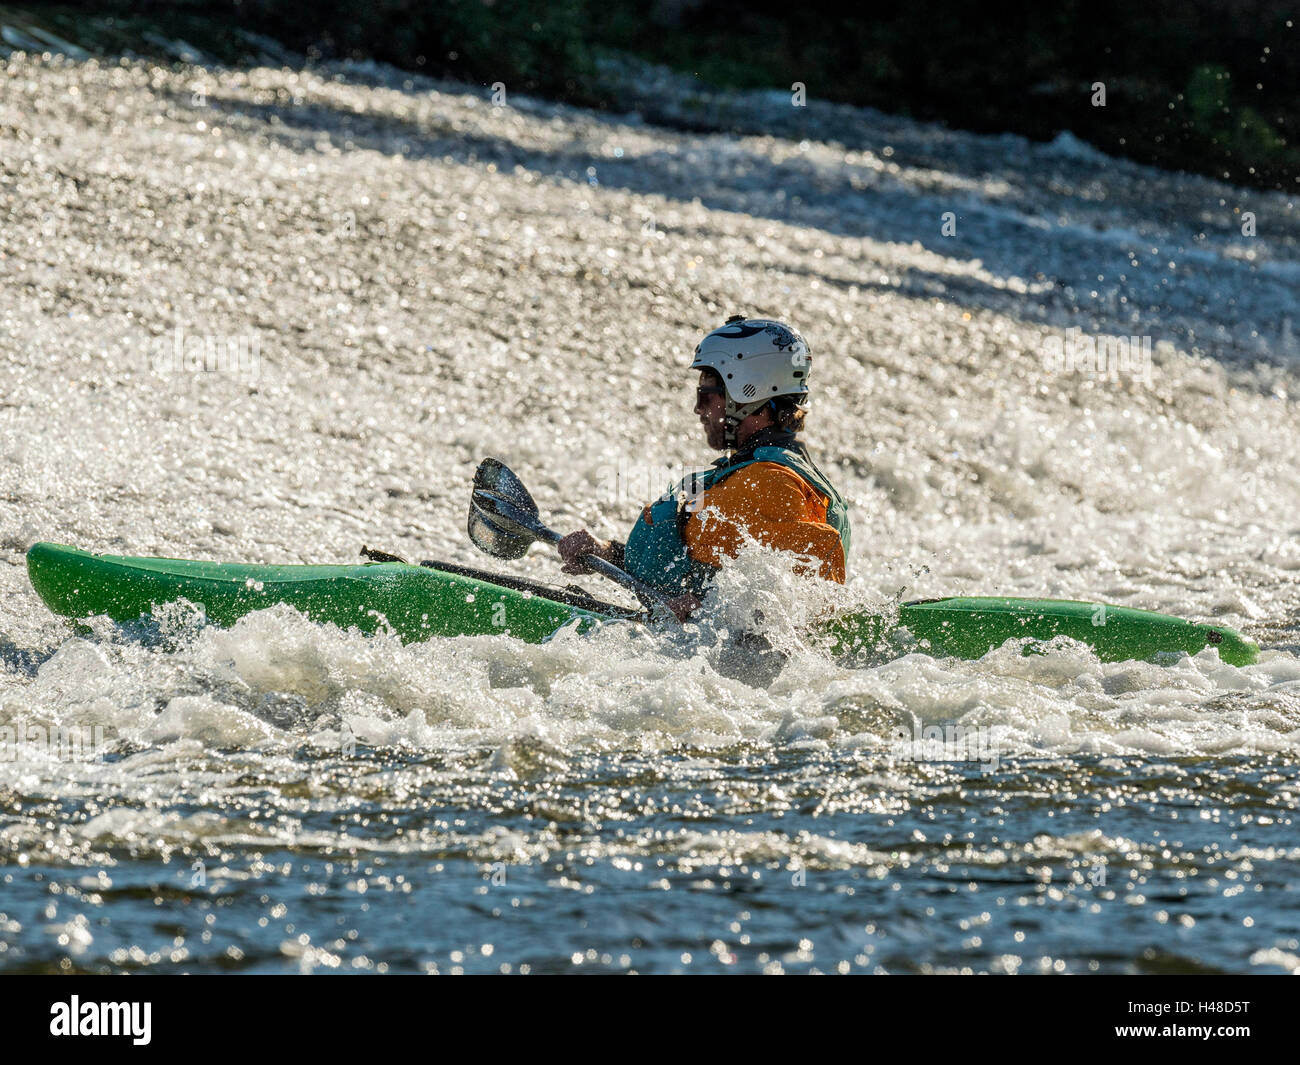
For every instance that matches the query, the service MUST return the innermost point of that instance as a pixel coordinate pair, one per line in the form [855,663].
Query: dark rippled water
[737,860]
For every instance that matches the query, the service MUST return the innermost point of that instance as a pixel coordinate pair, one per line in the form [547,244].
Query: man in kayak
[753,382]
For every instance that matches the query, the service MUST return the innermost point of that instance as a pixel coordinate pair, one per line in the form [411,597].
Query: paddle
[504,522]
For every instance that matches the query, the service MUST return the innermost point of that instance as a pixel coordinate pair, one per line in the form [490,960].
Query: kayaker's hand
[684,606]
[577,544]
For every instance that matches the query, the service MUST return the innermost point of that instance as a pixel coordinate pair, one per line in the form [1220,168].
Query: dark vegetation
[1210,87]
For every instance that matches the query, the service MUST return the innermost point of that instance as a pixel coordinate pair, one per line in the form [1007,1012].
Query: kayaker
[752,387]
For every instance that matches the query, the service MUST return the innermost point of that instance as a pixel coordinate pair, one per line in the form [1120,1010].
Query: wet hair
[789,415]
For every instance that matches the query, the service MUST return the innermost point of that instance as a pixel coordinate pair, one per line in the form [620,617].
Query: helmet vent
[750,390]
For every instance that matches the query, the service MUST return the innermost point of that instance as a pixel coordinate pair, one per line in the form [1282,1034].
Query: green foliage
[1207,96]
[1236,131]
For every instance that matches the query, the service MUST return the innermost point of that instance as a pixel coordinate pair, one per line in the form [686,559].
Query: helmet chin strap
[737,413]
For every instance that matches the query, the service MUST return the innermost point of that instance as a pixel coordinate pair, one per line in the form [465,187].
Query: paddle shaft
[603,566]
[499,510]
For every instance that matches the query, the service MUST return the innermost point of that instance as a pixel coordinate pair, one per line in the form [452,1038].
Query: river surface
[406,279]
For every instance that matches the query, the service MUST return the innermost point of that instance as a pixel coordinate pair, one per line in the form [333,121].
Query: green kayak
[440,599]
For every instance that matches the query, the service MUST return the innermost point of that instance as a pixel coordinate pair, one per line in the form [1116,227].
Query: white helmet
[758,359]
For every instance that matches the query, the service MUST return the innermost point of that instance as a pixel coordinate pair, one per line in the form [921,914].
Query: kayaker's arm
[580,543]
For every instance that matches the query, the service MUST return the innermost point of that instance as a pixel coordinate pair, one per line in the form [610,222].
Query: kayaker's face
[711,408]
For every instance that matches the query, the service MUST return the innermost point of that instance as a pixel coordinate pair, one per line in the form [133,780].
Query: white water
[429,280]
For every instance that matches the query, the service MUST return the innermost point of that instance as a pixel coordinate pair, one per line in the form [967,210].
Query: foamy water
[411,279]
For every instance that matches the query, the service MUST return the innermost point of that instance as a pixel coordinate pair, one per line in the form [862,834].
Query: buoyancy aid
[657,551]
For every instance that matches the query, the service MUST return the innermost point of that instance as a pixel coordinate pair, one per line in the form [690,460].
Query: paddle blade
[488,536]
[496,477]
